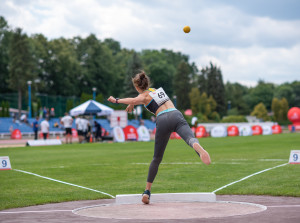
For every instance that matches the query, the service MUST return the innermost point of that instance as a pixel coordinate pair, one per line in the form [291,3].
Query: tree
[85,97]
[194,96]
[211,82]
[280,109]
[276,107]
[5,36]
[160,75]
[296,90]
[284,108]
[134,67]
[263,92]
[204,105]
[182,85]
[113,45]
[21,64]
[235,97]
[69,105]
[285,91]
[260,112]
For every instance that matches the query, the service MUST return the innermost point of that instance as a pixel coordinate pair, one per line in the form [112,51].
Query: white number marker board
[294,157]
[5,163]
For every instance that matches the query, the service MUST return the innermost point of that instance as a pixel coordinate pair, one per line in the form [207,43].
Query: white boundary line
[24,212]
[262,207]
[248,177]
[48,178]
[285,206]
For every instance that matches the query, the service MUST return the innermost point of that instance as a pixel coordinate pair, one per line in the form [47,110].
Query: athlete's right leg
[185,132]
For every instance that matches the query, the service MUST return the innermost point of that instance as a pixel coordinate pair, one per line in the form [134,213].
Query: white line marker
[272,160]
[285,206]
[24,212]
[48,178]
[178,163]
[248,177]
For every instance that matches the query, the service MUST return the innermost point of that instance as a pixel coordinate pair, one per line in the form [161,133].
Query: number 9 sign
[294,157]
[5,163]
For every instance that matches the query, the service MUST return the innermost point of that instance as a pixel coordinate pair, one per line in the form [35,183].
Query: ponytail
[141,80]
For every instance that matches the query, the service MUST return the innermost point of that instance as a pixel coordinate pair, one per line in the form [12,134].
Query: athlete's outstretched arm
[129,101]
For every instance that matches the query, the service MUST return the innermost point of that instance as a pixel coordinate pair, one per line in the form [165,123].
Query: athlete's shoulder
[151,89]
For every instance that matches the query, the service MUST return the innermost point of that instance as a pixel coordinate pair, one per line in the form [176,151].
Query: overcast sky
[248,39]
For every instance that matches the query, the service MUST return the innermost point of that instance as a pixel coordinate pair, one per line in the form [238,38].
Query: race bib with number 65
[159,96]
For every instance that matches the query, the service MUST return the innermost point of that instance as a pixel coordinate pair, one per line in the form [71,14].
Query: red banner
[276,129]
[232,130]
[257,130]
[16,134]
[74,133]
[130,133]
[200,132]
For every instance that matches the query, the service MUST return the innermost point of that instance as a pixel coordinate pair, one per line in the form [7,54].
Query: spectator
[52,113]
[14,117]
[35,126]
[79,126]
[41,113]
[48,114]
[11,129]
[98,131]
[24,119]
[67,122]
[86,129]
[44,112]
[45,128]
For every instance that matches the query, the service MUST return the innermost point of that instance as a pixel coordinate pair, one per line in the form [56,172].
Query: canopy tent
[91,107]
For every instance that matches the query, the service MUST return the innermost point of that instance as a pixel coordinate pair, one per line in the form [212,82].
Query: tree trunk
[19,102]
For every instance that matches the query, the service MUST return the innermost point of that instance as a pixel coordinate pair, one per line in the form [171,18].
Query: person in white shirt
[45,128]
[79,126]
[67,122]
[85,129]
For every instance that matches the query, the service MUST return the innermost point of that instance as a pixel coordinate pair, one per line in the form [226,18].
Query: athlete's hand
[112,99]
[130,108]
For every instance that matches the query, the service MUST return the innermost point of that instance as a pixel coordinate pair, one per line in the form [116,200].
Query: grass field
[117,168]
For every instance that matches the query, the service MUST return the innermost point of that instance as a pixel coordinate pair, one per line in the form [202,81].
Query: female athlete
[168,120]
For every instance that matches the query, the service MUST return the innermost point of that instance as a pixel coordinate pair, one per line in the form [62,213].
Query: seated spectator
[24,119]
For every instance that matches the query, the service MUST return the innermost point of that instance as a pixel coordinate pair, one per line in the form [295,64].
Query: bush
[234,118]
[233,112]
[4,109]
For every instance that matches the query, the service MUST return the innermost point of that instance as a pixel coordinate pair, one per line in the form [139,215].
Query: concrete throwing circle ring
[174,210]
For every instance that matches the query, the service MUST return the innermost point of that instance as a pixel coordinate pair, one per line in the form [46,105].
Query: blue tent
[91,107]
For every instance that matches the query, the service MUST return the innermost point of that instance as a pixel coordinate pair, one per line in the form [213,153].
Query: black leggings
[167,123]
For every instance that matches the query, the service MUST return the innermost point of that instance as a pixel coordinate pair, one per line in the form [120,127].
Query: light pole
[94,93]
[174,97]
[228,105]
[29,98]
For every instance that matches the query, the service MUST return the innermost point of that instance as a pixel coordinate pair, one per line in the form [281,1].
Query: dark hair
[141,80]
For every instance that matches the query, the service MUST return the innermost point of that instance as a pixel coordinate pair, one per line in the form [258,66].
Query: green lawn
[121,168]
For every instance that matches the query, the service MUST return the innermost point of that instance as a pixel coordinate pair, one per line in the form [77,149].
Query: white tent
[91,107]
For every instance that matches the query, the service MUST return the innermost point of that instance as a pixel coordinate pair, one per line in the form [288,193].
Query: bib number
[159,96]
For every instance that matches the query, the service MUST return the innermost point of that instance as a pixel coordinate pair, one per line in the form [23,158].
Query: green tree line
[72,67]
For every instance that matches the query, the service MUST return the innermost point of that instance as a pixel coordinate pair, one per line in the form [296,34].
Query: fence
[59,103]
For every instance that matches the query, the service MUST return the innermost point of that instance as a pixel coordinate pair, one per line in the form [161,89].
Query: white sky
[248,39]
